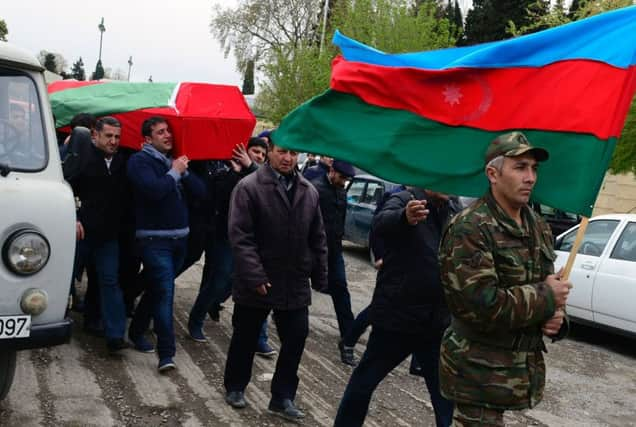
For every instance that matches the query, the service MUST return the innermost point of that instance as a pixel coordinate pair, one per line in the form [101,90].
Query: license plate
[15,326]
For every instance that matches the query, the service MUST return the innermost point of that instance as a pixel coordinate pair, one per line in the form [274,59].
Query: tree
[295,75]
[490,20]
[4,30]
[77,70]
[99,71]
[49,62]
[248,79]
[115,74]
[57,58]
[624,159]
[258,30]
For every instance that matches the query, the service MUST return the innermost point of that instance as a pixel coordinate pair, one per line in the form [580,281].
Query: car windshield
[22,142]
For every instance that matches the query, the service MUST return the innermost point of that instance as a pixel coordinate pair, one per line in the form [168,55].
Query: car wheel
[7,370]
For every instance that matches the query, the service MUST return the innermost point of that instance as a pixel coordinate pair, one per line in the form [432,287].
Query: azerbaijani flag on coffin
[207,120]
[426,118]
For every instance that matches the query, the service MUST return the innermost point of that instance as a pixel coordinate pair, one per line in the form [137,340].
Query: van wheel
[7,370]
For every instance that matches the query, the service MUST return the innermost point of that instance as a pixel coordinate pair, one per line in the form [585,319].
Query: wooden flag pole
[575,248]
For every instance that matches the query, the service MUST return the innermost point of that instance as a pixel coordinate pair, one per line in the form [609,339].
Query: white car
[604,273]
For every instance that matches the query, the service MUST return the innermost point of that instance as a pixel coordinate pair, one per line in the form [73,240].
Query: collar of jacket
[506,222]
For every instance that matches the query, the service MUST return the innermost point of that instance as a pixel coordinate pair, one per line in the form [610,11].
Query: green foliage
[491,20]
[248,79]
[453,13]
[4,30]
[77,70]
[624,159]
[49,63]
[296,74]
[99,71]
[556,16]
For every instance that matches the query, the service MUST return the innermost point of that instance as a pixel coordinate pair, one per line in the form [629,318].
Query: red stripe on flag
[70,84]
[571,96]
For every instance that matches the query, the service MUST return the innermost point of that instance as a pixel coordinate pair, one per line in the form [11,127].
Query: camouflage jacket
[492,273]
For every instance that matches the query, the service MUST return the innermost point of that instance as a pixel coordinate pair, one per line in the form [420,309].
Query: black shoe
[236,399]
[214,312]
[346,354]
[286,409]
[116,345]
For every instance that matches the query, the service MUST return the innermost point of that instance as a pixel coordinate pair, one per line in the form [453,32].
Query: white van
[37,216]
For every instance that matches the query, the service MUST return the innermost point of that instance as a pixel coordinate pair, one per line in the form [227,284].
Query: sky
[169,41]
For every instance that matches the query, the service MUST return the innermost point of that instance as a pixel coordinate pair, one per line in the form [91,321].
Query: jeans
[214,290]
[338,290]
[216,285]
[162,258]
[292,327]
[105,258]
[357,328]
[385,351]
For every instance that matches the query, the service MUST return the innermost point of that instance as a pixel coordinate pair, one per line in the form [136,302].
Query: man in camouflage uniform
[498,276]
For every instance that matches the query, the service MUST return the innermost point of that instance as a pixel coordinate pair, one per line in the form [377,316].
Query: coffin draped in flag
[207,120]
[426,118]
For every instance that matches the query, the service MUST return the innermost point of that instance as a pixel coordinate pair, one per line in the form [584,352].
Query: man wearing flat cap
[497,272]
[333,206]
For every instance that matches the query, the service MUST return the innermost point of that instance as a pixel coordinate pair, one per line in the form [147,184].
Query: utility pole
[130,64]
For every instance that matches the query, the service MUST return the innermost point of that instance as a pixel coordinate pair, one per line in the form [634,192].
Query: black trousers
[292,327]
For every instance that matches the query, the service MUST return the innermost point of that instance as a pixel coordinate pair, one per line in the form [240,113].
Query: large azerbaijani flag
[426,118]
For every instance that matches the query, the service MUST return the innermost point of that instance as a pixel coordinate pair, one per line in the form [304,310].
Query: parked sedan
[604,273]
[364,192]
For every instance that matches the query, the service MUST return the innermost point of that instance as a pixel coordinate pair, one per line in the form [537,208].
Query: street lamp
[130,64]
[102,28]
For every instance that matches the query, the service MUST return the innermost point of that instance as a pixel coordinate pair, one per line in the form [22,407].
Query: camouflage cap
[513,144]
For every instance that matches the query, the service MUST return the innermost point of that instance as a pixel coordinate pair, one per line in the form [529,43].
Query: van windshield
[22,142]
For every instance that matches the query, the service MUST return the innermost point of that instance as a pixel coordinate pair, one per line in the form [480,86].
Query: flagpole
[575,248]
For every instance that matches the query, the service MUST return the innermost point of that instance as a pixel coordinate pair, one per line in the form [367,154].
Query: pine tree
[49,63]
[248,80]
[77,70]
[490,20]
[99,71]
[458,19]
[574,7]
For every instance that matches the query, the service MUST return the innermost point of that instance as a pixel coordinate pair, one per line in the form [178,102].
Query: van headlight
[26,252]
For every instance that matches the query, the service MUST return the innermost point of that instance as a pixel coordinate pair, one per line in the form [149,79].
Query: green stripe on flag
[405,148]
[108,98]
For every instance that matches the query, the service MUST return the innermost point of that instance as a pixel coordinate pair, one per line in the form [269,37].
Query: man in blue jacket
[160,184]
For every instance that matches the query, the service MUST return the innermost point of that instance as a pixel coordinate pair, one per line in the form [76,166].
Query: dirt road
[591,378]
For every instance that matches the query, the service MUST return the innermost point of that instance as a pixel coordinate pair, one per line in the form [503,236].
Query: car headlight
[26,252]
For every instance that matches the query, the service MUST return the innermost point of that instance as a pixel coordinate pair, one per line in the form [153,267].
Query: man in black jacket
[333,206]
[408,313]
[101,187]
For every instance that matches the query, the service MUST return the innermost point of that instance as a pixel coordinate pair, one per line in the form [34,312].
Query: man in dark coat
[333,207]
[276,231]
[322,168]
[407,313]
[100,185]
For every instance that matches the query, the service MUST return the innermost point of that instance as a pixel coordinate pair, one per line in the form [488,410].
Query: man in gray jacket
[275,228]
